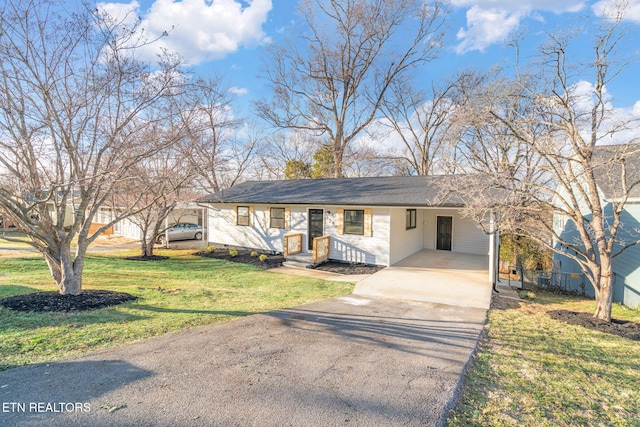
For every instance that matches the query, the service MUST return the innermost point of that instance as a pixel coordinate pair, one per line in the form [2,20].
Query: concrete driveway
[346,361]
[441,277]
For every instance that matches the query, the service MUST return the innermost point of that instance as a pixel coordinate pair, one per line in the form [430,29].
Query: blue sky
[228,37]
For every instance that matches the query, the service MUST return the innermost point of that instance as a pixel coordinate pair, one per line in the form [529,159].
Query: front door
[316,225]
[445,225]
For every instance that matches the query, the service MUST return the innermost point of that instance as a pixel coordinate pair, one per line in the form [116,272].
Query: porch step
[299,261]
[296,264]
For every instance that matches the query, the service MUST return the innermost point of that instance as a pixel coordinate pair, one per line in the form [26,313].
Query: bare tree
[285,155]
[551,154]
[163,180]
[220,146]
[332,77]
[73,99]
[423,121]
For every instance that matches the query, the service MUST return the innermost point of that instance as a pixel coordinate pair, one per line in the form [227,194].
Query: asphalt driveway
[346,361]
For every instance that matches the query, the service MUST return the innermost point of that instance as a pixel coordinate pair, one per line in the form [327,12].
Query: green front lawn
[531,370]
[181,292]
[22,243]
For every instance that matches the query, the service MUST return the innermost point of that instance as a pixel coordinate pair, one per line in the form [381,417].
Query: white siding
[224,231]
[344,247]
[356,248]
[467,237]
[128,229]
[405,242]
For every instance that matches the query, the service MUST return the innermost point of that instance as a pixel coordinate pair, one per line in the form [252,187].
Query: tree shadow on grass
[230,313]
[10,290]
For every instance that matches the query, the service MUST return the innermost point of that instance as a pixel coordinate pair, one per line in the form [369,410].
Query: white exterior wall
[466,236]
[128,229]
[357,248]
[405,242]
[345,247]
[224,231]
[389,243]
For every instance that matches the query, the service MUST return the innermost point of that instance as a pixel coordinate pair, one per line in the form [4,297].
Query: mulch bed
[274,261]
[622,328]
[348,268]
[244,257]
[53,301]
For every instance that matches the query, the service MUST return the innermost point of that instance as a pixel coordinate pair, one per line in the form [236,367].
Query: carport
[441,277]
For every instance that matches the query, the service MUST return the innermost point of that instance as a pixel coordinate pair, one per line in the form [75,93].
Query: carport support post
[166,232]
[205,217]
[492,249]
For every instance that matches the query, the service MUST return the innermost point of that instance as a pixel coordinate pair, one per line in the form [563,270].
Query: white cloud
[628,10]
[199,30]
[620,124]
[238,90]
[486,27]
[492,21]
[125,13]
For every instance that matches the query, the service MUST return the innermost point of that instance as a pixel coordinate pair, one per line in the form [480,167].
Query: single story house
[372,220]
[626,265]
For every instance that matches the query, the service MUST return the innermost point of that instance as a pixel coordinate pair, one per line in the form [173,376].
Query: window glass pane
[353,221]
[277,218]
[411,218]
[243,215]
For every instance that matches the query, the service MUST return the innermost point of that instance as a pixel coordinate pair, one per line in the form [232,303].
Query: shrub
[527,295]
[211,248]
[254,253]
[233,252]
[262,257]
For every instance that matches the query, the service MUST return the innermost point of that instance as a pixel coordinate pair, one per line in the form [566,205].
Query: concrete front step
[297,264]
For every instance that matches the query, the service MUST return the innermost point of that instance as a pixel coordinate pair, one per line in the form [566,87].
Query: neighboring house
[70,211]
[626,266]
[185,211]
[378,220]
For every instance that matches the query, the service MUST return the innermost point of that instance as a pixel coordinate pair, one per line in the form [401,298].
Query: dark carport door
[316,225]
[445,224]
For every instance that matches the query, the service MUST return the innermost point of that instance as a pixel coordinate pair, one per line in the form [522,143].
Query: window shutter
[339,221]
[267,217]
[251,209]
[367,222]
[234,215]
[287,218]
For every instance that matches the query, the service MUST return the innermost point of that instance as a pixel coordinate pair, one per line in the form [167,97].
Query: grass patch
[535,371]
[181,292]
[20,237]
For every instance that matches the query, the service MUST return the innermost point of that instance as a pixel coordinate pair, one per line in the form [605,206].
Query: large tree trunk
[147,247]
[338,153]
[65,270]
[604,296]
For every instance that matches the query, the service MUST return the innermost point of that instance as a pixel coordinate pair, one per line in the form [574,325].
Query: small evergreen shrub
[233,252]
[262,257]
[254,253]
[527,295]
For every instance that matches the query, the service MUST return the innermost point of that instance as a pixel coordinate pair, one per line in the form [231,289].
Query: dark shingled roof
[607,160]
[371,191]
